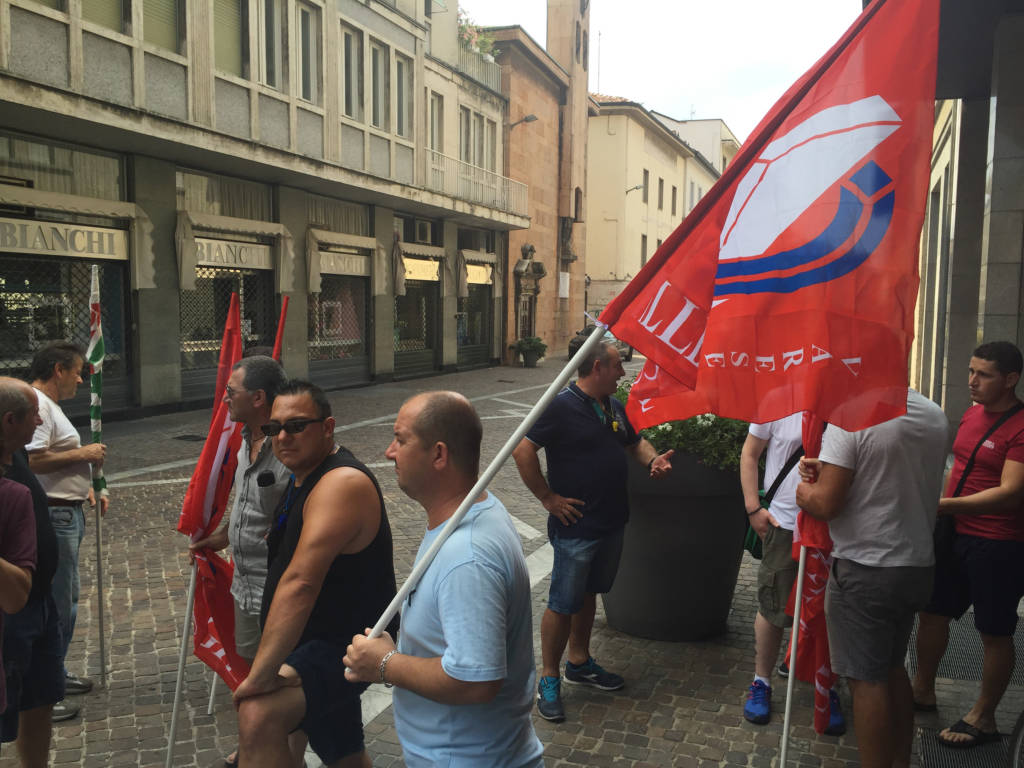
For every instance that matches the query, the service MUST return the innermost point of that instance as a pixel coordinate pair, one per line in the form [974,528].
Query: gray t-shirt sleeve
[839,447]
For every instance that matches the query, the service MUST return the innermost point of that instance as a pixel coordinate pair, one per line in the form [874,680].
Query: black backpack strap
[970,462]
[783,474]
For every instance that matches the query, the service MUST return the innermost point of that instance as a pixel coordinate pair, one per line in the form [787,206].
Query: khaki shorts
[776,576]
[247,633]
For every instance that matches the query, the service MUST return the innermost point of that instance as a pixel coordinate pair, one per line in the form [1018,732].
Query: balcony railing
[474,184]
[473,64]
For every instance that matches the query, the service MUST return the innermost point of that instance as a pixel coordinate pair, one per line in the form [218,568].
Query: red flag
[791,286]
[201,512]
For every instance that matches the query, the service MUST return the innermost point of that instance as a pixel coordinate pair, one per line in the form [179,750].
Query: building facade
[644,179]
[345,154]
[546,146]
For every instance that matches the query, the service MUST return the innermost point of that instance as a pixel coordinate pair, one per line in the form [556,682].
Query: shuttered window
[160,24]
[228,28]
[107,13]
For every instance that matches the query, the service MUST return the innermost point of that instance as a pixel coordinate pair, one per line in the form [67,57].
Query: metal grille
[934,755]
[205,310]
[45,300]
[337,318]
[415,315]
[524,322]
[474,310]
[964,654]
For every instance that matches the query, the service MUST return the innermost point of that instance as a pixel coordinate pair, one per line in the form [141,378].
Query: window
[404,111]
[230,36]
[309,52]
[352,72]
[674,200]
[270,21]
[661,194]
[643,250]
[106,13]
[492,146]
[693,199]
[700,194]
[380,81]
[659,245]
[465,135]
[162,23]
[436,122]
[478,140]
[647,183]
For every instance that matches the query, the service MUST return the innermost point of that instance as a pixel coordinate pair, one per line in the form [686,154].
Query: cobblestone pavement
[682,705]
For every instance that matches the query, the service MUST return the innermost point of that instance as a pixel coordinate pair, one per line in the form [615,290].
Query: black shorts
[334,717]
[33,661]
[985,573]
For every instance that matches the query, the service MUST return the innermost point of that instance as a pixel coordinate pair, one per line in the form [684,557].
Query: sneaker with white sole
[62,711]
[592,673]
[758,707]
[549,699]
[73,685]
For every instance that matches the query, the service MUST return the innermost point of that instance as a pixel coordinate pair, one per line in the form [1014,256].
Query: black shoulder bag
[945,525]
[751,541]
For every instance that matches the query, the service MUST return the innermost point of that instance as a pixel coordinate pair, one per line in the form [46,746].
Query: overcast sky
[729,59]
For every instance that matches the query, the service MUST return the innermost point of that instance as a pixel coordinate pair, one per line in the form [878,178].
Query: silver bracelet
[383,664]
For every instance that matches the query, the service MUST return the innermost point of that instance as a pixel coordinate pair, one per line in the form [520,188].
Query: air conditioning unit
[424,232]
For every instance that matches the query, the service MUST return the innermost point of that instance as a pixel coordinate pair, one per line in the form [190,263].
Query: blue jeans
[69,525]
[582,566]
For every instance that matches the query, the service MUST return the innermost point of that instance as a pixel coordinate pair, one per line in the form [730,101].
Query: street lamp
[528,119]
[633,189]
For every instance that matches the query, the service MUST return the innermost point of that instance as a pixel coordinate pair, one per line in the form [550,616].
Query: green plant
[714,441]
[529,344]
[473,37]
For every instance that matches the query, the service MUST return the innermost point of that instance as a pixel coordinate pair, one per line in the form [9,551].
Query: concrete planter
[530,359]
[681,555]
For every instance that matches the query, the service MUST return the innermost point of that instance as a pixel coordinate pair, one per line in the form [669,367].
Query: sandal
[978,737]
[231,761]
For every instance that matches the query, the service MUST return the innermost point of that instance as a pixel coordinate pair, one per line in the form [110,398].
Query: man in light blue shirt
[463,670]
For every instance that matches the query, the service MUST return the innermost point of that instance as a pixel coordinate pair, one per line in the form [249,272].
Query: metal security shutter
[416,337]
[339,332]
[473,327]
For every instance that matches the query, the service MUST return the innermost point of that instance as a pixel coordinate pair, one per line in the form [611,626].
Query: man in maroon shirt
[983,565]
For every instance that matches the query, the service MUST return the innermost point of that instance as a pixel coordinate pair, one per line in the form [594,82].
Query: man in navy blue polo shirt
[585,436]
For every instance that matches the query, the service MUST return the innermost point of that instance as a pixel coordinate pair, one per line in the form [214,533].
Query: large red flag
[791,286]
[201,512]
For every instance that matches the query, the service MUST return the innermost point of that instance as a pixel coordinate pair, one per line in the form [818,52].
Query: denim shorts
[334,718]
[582,566]
[33,661]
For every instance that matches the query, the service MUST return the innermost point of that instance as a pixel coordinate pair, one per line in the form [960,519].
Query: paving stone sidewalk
[682,705]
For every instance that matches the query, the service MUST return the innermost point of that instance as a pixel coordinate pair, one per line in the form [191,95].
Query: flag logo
[789,175]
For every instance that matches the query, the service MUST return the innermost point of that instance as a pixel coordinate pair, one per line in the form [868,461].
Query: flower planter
[530,359]
[681,554]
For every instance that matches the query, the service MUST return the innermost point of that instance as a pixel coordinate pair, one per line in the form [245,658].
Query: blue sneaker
[549,699]
[836,721]
[758,709]
[593,674]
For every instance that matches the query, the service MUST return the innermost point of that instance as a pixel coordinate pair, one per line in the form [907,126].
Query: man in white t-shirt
[64,469]
[783,440]
[879,491]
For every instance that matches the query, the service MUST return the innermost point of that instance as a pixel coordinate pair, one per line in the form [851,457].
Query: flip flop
[978,737]
[922,707]
[231,761]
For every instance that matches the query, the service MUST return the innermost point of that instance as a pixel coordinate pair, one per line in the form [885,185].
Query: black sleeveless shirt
[357,587]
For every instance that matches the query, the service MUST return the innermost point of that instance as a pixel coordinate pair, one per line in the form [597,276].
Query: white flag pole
[213,692]
[485,479]
[186,637]
[795,636]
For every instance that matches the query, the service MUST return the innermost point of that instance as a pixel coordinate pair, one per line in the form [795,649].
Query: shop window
[231,36]
[163,24]
[309,52]
[472,327]
[404,96]
[380,86]
[337,318]
[352,72]
[415,315]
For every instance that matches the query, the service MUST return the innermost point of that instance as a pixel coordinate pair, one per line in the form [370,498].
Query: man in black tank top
[330,575]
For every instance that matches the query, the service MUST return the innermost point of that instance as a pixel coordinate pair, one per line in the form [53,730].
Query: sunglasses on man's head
[292,427]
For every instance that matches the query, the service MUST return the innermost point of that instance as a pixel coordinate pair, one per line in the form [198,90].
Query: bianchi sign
[228,253]
[43,238]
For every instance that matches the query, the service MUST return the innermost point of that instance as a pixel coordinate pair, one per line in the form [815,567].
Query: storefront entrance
[339,354]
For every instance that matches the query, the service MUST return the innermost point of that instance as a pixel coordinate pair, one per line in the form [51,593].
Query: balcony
[474,184]
[472,64]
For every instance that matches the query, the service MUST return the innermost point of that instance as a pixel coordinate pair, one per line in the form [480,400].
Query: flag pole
[95,354]
[793,640]
[484,480]
[186,635]
[279,338]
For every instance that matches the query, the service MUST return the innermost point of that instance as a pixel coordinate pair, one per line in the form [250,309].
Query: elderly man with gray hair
[260,481]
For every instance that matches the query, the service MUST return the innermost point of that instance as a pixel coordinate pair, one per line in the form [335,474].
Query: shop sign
[479,274]
[45,238]
[421,269]
[333,263]
[228,253]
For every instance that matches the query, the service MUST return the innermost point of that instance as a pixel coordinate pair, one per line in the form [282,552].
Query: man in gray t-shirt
[878,489]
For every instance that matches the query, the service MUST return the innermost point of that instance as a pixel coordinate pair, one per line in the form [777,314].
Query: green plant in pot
[684,540]
[531,348]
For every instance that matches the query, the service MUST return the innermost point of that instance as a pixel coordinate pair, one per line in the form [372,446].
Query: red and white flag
[791,286]
[201,513]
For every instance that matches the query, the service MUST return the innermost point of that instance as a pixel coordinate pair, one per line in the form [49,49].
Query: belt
[50,502]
